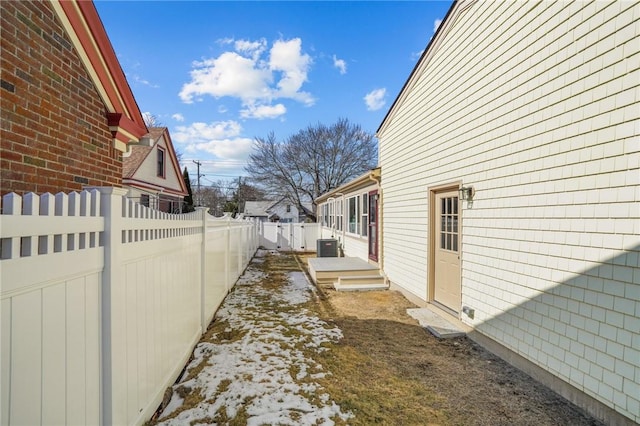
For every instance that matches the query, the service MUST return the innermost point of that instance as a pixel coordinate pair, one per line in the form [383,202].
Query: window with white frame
[330,214]
[325,214]
[353,209]
[339,214]
[364,222]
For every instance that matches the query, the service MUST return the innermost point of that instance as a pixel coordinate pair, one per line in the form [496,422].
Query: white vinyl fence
[103,301]
[289,236]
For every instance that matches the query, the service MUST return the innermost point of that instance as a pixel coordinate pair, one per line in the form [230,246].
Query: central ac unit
[327,248]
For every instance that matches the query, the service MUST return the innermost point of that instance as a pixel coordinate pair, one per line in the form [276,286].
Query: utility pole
[240,195]
[199,200]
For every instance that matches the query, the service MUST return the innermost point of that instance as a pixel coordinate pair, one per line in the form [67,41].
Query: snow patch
[266,372]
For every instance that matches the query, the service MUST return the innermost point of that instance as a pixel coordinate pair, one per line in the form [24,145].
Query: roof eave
[427,51]
[370,176]
[87,33]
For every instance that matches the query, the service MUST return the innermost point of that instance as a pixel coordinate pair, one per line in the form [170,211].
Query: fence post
[240,243]
[227,254]
[202,211]
[113,396]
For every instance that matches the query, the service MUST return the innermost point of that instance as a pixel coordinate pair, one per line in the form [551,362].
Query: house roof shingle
[139,152]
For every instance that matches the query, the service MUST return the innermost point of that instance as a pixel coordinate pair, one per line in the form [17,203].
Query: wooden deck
[346,273]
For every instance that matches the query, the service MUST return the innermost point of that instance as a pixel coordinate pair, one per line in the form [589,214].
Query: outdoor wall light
[466,193]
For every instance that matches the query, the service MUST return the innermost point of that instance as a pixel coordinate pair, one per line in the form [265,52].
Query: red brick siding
[54,134]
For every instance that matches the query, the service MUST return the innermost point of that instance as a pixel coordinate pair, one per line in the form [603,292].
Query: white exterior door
[447,251]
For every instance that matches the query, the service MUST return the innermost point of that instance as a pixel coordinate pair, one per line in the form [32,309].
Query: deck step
[361,283]
[361,279]
[325,271]
[360,287]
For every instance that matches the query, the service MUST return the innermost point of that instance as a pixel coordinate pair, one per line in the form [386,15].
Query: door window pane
[449,223]
[372,208]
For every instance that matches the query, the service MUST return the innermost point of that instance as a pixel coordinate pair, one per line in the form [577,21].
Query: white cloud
[287,57]
[340,64]
[436,24]
[254,74]
[375,99]
[252,48]
[178,117]
[203,132]
[228,75]
[221,138]
[232,150]
[263,111]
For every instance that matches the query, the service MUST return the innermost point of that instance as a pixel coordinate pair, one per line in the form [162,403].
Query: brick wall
[54,130]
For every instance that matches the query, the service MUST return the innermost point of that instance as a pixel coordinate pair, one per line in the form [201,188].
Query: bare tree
[219,197]
[151,120]
[313,161]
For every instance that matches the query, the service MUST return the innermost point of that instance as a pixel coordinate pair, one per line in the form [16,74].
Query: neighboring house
[283,211]
[152,174]
[349,214]
[67,111]
[530,111]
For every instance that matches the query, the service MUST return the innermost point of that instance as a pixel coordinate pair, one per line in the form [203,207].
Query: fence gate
[284,236]
[289,236]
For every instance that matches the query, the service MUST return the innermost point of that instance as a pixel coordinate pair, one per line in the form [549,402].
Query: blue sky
[219,74]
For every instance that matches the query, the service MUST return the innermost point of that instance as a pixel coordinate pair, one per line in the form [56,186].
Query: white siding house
[535,107]
[283,211]
[151,172]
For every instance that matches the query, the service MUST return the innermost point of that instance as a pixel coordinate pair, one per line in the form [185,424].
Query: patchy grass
[191,399]
[375,394]
[384,370]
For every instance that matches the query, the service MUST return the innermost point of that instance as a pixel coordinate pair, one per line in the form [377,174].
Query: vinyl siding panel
[537,106]
[148,170]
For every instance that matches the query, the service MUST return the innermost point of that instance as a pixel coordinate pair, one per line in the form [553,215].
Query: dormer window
[160,162]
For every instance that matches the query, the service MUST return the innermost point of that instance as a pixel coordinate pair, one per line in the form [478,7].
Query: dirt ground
[452,381]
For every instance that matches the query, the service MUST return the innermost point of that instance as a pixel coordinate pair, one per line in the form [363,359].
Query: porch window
[144,200]
[324,213]
[331,218]
[353,208]
[339,214]
[364,222]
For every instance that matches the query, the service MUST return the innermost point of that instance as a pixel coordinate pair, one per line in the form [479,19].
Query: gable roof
[132,163]
[452,14]
[84,27]
[139,153]
[258,208]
